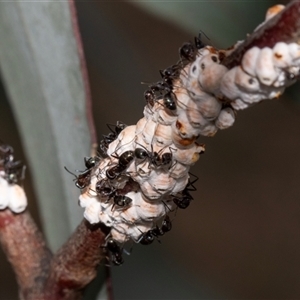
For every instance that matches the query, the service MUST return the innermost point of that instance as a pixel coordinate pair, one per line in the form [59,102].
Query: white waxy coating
[149,191]
[211,75]
[162,183]
[105,216]
[17,198]
[196,118]
[239,104]
[165,118]
[183,99]
[178,170]
[249,61]
[209,130]
[188,156]
[181,184]
[246,82]
[294,50]
[228,86]
[122,231]
[140,125]
[271,71]
[162,136]
[86,199]
[4,193]
[209,107]
[226,118]
[12,196]
[143,171]
[149,210]
[92,212]
[184,127]
[265,70]
[148,131]
[127,138]
[281,55]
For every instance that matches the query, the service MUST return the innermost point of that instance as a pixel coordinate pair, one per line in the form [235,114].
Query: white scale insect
[12,196]
[200,91]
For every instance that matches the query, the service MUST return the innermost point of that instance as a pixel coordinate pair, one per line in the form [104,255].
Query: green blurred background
[240,238]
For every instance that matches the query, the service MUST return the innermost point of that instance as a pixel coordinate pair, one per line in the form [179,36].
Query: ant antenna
[70,172]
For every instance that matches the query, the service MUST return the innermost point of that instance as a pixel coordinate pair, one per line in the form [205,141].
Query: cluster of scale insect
[263,74]
[12,172]
[143,174]
[113,184]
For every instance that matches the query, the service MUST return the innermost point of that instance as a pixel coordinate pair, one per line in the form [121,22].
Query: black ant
[169,101]
[150,97]
[91,162]
[198,41]
[188,51]
[6,153]
[14,170]
[121,201]
[161,87]
[105,190]
[184,199]
[164,91]
[113,172]
[124,160]
[130,186]
[154,157]
[170,73]
[110,137]
[83,179]
[166,225]
[115,252]
[148,237]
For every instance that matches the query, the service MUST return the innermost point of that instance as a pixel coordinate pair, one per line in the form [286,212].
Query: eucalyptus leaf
[41,70]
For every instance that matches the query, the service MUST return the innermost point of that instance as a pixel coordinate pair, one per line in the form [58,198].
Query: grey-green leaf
[41,70]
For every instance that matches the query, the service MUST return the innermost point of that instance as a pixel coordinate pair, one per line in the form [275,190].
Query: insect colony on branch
[143,173]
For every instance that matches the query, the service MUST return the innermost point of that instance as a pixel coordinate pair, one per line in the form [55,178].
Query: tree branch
[74,265]
[39,274]
[283,27]
[26,250]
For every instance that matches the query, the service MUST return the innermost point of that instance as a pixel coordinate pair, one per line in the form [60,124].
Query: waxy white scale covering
[12,196]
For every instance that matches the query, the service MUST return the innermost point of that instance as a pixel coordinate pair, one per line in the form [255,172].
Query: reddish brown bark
[26,250]
[41,275]
[74,265]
